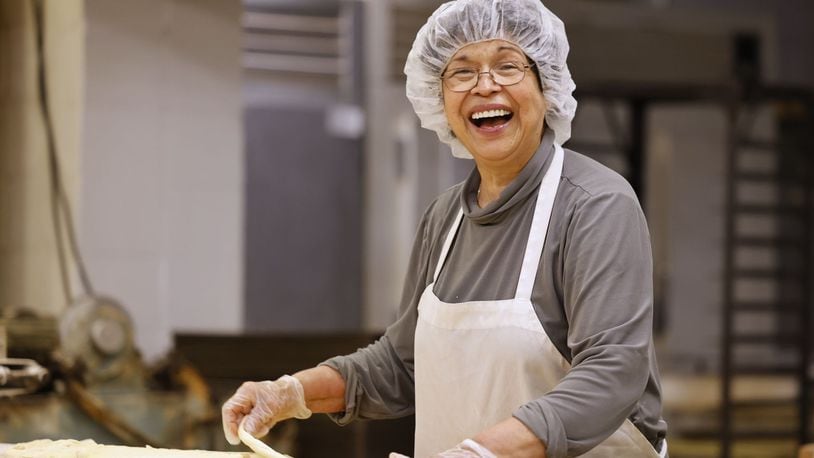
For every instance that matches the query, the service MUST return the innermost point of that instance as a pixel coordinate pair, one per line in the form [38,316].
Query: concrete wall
[29,274]
[162,164]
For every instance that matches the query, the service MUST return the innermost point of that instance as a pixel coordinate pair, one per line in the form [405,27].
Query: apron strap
[447,244]
[539,225]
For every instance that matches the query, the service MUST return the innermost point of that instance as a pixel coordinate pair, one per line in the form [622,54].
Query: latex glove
[467,449]
[264,404]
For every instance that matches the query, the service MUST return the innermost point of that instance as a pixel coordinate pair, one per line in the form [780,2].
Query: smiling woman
[525,327]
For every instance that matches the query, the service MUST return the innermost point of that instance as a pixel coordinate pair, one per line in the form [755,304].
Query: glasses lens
[461,79]
[508,73]
[464,79]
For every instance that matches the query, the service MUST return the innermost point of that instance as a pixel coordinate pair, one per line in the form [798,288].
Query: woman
[525,324]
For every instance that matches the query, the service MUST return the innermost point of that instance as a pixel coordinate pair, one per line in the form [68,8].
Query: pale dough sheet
[68,448]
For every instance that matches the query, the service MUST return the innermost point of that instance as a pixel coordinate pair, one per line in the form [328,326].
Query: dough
[48,448]
[256,444]
[69,448]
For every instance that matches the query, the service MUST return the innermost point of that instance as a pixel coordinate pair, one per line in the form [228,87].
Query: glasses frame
[525,68]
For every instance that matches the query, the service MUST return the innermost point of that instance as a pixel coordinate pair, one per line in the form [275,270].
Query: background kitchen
[211,191]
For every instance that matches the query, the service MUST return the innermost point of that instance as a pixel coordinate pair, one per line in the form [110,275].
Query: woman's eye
[463,73]
[507,67]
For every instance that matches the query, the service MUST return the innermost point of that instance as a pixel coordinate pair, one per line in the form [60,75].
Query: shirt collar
[525,184]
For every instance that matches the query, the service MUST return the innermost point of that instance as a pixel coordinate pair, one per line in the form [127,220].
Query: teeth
[490,114]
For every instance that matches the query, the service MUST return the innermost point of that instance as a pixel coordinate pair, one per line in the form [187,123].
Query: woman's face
[514,135]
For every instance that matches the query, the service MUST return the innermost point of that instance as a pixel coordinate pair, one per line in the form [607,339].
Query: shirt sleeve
[607,299]
[379,379]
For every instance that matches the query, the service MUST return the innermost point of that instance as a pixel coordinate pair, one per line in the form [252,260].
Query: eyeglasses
[503,73]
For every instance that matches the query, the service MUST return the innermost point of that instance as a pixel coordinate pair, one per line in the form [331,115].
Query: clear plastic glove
[467,449]
[264,404]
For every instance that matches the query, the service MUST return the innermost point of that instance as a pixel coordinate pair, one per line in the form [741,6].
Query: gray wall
[303,223]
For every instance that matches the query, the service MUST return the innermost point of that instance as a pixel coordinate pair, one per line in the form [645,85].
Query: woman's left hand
[507,438]
[467,449]
[510,438]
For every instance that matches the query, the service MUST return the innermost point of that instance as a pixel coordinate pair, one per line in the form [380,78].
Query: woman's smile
[490,118]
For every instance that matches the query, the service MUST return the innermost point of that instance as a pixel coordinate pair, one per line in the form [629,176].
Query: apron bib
[476,362]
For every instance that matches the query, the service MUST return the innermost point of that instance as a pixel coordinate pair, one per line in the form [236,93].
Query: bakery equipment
[20,376]
[80,376]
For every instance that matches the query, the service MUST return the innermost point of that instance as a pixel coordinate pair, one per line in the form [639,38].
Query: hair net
[526,23]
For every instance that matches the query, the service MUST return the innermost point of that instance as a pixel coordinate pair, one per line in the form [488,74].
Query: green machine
[80,376]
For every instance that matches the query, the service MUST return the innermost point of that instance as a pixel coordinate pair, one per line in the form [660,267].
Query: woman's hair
[526,23]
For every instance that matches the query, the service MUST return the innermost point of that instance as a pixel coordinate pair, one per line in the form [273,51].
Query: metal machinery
[80,376]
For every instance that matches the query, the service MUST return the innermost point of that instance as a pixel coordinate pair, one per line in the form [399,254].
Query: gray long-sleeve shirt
[593,295]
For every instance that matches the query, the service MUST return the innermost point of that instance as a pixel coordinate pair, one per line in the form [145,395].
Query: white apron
[476,362]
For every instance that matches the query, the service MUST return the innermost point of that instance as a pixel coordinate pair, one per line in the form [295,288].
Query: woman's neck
[492,183]
[495,177]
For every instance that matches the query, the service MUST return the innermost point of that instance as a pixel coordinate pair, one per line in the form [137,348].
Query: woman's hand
[264,404]
[510,438]
[467,449]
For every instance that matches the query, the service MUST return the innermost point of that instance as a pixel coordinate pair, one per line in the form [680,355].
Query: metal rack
[788,177]
[785,164]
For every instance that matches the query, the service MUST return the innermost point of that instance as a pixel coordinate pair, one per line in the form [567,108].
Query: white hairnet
[526,23]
